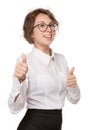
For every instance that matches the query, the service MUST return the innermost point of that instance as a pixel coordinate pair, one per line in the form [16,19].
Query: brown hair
[29,22]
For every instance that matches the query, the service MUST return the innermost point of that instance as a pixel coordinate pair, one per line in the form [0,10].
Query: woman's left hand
[71,80]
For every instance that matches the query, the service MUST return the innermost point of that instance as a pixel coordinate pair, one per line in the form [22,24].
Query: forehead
[42,17]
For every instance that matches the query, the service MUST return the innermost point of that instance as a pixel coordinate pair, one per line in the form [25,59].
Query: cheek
[37,37]
[37,34]
[53,35]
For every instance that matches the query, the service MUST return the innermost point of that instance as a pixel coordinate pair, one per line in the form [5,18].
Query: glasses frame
[47,25]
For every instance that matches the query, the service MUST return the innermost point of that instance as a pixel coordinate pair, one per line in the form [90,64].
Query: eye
[53,25]
[42,25]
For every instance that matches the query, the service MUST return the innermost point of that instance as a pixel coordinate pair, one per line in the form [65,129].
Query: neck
[45,49]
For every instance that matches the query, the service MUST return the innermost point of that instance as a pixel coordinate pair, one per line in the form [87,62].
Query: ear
[32,36]
[32,39]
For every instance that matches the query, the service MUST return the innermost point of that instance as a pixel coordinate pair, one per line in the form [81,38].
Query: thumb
[71,71]
[23,58]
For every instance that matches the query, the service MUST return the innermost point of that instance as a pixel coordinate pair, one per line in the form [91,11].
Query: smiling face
[43,39]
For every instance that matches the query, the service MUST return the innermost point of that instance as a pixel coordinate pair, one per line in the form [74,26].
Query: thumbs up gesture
[71,80]
[21,69]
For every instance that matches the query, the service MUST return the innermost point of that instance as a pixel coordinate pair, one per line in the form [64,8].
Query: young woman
[41,78]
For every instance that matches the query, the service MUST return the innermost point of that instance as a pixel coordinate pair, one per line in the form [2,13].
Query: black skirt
[36,119]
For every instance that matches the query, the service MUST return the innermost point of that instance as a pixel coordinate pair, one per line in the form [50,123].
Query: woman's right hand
[21,69]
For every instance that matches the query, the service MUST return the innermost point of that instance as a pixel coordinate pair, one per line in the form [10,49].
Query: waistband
[45,111]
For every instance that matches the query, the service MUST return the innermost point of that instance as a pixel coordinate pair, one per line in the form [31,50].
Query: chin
[48,44]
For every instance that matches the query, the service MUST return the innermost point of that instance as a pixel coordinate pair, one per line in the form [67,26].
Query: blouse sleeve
[18,89]
[72,94]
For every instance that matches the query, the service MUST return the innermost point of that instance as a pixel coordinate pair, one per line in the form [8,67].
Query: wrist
[21,80]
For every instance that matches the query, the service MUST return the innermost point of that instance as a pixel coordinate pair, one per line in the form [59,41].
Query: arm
[73,91]
[17,96]
[73,94]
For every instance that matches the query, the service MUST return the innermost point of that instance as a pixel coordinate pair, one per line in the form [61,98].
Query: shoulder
[61,60]
[60,56]
[29,54]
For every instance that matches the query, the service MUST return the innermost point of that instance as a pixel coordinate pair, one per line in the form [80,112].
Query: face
[43,38]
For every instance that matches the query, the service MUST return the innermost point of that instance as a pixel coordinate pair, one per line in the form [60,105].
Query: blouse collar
[43,56]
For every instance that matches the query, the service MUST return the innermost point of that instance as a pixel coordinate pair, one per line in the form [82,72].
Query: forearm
[73,94]
[17,97]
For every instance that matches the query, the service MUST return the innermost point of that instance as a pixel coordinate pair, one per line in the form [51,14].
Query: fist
[21,69]
[71,80]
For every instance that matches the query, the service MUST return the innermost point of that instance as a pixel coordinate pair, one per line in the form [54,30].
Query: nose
[49,28]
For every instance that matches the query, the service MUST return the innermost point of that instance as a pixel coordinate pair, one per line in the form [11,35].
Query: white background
[73,41]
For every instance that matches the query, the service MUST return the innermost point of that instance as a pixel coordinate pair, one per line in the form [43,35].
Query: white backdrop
[73,41]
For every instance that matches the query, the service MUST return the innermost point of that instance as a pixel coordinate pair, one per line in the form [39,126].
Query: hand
[21,69]
[71,80]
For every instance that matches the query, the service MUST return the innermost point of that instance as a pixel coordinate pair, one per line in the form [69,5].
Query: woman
[41,78]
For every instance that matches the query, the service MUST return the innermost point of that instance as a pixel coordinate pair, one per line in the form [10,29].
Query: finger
[19,75]
[73,81]
[23,58]
[22,67]
[71,71]
[72,85]
[20,72]
[70,77]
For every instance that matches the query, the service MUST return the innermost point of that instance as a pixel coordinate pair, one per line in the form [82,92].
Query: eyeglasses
[43,26]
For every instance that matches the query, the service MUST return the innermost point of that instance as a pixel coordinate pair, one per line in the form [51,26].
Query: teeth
[48,36]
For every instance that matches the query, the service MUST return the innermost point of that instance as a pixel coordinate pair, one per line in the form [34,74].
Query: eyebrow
[44,22]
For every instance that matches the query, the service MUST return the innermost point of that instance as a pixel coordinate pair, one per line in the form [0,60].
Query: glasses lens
[42,27]
[53,27]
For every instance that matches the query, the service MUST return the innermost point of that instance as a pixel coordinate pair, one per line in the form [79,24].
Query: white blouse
[45,86]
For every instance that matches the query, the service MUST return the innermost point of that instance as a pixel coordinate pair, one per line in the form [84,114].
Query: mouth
[48,37]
